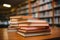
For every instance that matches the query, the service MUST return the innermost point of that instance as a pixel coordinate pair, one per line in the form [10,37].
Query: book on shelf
[38,2]
[50,14]
[46,14]
[41,14]
[44,1]
[56,20]
[34,4]
[35,15]
[57,3]
[27,6]
[49,20]
[32,10]
[35,9]
[57,12]
[48,1]
[59,20]
[46,7]
[41,8]
[41,1]
[49,6]
[27,11]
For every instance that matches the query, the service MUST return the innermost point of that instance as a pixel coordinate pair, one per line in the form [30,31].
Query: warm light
[6,5]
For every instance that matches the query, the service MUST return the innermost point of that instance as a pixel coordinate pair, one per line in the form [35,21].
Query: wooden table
[55,32]
[1,33]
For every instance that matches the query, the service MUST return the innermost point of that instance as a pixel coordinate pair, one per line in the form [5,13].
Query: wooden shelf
[45,3]
[49,17]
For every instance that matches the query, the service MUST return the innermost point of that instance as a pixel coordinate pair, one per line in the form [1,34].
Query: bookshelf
[42,9]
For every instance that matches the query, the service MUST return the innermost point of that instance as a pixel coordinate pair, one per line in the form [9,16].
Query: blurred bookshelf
[42,9]
[48,10]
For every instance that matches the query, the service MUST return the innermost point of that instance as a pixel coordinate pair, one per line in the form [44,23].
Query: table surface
[55,32]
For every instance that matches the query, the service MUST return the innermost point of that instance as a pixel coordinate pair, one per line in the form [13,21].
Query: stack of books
[33,27]
[13,23]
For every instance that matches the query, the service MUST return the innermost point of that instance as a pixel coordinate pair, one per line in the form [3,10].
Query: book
[57,12]
[34,27]
[33,34]
[49,6]
[57,3]
[33,20]
[33,24]
[56,20]
[59,20]
[50,14]
[34,31]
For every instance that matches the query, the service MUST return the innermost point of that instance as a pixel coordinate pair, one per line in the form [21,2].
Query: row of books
[56,20]
[44,1]
[42,15]
[57,12]
[42,8]
[34,4]
[35,15]
[46,6]
[47,14]
[40,2]
[23,11]
[57,3]
[24,7]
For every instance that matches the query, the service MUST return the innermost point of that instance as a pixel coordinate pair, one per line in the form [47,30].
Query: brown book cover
[34,31]
[33,24]
[34,28]
[33,34]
